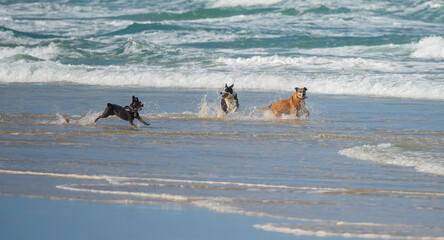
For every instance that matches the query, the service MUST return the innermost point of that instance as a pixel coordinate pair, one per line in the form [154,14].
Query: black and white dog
[128,113]
[229,102]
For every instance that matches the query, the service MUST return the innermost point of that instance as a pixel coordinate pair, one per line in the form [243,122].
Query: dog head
[301,93]
[136,104]
[228,92]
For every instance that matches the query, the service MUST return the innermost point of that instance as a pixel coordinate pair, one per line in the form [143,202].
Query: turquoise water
[377,48]
[367,163]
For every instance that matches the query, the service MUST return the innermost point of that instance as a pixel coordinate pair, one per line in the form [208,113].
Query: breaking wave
[430,47]
[264,45]
[389,85]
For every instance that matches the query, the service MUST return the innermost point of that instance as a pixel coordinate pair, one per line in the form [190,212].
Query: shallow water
[357,166]
[367,163]
[71,220]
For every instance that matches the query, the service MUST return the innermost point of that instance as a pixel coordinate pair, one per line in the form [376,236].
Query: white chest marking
[231,104]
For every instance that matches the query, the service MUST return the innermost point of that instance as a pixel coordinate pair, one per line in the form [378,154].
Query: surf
[421,158]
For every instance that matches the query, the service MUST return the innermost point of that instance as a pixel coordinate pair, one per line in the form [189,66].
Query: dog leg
[302,113]
[142,121]
[276,112]
[224,106]
[105,114]
[101,116]
[132,123]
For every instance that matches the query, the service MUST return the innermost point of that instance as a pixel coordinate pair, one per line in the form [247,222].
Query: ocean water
[367,163]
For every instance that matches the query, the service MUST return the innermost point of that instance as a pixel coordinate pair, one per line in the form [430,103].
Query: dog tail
[263,109]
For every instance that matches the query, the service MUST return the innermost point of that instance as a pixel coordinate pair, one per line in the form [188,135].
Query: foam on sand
[119,180]
[347,230]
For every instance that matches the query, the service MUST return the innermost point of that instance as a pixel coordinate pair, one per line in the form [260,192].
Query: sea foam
[415,86]
[429,47]
[351,230]
[244,3]
[387,153]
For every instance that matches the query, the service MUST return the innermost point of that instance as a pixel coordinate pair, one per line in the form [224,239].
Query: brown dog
[294,105]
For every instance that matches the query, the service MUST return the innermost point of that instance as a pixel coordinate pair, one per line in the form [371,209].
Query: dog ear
[232,85]
[134,97]
[305,89]
[226,85]
[296,89]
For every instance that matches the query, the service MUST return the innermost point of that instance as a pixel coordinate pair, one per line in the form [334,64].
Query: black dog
[128,113]
[229,102]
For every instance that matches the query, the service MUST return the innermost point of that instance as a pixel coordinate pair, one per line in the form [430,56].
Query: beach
[367,162]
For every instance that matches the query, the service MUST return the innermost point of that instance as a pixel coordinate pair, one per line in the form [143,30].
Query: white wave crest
[387,153]
[312,62]
[6,35]
[429,47]
[243,3]
[43,53]
[416,86]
